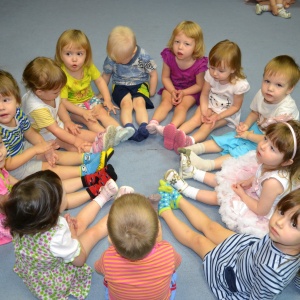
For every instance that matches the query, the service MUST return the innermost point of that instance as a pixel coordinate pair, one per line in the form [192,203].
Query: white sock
[199,175]
[190,192]
[198,148]
[100,199]
[202,164]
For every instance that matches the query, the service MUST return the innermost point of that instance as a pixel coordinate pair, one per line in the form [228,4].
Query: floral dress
[48,276]
[5,188]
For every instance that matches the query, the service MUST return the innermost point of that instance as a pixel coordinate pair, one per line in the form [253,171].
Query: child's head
[191,30]
[121,44]
[284,225]
[44,74]
[284,67]
[285,137]
[227,55]
[9,87]
[74,40]
[34,203]
[132,226]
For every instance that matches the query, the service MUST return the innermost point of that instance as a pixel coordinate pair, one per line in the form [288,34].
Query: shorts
[91,103]
[234,146]
[139,90]
[32,166]
[172,287]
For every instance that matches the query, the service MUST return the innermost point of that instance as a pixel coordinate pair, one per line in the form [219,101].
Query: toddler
[277,7]
[134,79]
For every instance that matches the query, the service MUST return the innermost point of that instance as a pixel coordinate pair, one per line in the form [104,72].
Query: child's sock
[199,175]
[90,168]
[179,184]
[123,134]
[107,192]
[142,132]
[105,157]
[101,176]
[169,136]
[201,164]
[151,127]
[89,157]
[198,149]
[182,140]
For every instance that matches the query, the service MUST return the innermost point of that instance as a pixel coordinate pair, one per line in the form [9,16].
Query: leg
[93,126]
[141,113]
[181,110]
[126,110]
[104,117]
[164,107]
[194,122]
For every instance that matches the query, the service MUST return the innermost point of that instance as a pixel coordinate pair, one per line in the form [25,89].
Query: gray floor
[31,28]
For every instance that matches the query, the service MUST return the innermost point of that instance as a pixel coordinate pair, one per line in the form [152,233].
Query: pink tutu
[235,214]
[5,236]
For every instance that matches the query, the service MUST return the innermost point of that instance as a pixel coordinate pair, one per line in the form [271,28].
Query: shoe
[258,9]
[109,190]
[173,178]
[185,163]
[283,13]
[124,190]
[123,134]
[109,137]
[169,136]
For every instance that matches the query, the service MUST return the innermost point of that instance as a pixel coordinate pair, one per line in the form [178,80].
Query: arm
[153,82]
[106,77]
[244,126]
[205,112]
[271,188]
[197,87]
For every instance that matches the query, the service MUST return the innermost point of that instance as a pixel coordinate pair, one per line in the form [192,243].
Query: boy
[272,103]
[139,264]
[131,67]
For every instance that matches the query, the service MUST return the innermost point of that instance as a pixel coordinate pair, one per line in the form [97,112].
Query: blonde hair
[9,86]
[285,65]
[44,74]
[121,43]
[74,38]
[132,226]
[228,53]
[193,31]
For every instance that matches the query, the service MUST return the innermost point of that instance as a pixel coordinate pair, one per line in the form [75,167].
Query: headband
[294,138]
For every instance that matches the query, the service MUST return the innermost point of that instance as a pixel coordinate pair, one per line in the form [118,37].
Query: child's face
[221,73]
[73,58]
[3,153]
[284,233]
[8,108]
[268,154]
[48,95]
[183,46]
[275,87]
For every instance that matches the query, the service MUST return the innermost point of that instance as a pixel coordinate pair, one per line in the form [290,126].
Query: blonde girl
[183,70]
[221,98]
[241,266]
[248,189]
[74,56]
[51,250]
[27,151]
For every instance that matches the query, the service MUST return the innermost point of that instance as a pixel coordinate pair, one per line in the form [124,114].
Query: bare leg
[64,172]
[164,107]
[181,110]
[126,110]
[193,123]
[141,113]
[93,126]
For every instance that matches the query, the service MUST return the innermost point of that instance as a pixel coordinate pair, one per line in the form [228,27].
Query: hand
[72,128]
[213,119]
[244,135]
[238,189]
[73,225]
[110,107]
[51,157]
[175,97]
[241,128]
[89,115]
[82,145]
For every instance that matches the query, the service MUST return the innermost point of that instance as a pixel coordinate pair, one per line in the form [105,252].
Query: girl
[221,97]
[74,55]
[183,70]
[27,151]
[51,250]
[240,266]
[247,202]
[44,80]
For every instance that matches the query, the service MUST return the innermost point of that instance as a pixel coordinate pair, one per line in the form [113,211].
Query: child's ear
[38,92]
[287,163]
[109,240]
[290,90]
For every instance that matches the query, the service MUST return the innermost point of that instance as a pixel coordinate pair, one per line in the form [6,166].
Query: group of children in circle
[257,189]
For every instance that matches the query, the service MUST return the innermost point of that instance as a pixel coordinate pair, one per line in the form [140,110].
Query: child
[248,194]
[134,79]
[221,97]
[74,55]
[277,7]
[27,151]
[240,266]
[51,250]
[139,264]
[272,103]
[183,70]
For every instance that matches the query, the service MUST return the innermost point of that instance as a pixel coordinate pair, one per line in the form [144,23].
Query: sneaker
[109,190]
[186,170]
[258,9]
[124,190]
[173,178]
[283,13]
